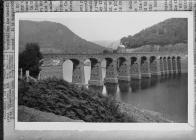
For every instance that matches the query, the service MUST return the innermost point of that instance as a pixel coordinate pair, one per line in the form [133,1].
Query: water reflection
[124,86]
[165,94]
[111,89]
[154,80]
[135,85]
[97,89]
[162,78]
[145,83]
[124,89]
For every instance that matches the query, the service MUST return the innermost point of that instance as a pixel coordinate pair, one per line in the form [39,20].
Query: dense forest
[170,31]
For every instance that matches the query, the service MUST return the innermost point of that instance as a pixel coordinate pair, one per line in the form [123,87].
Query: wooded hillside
[170,31]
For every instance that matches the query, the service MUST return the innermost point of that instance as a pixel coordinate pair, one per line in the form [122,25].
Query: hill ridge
[169,31]
[54,37]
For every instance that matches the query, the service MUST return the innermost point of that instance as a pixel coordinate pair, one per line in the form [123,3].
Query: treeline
[170,31]
[29,59]
[176,48]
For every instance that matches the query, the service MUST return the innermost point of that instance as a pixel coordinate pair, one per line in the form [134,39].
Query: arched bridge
[119,66]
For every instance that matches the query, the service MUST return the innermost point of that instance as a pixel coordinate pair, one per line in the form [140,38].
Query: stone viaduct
[120,66]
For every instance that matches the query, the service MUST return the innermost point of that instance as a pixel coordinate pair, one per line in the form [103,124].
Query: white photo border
[83,126]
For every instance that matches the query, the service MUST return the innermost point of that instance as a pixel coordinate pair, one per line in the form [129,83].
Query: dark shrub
[62,98]
[30,58]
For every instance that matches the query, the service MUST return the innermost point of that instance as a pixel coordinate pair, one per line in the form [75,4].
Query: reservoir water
[167,95]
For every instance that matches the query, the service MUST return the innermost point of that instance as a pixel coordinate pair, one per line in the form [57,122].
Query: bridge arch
[134,59]
[152,58]
[77,70]
[87,69]
[67,70]
[144,59]
[120,62]
[109,60]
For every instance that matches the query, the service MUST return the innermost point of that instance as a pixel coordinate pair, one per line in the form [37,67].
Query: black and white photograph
[87,67]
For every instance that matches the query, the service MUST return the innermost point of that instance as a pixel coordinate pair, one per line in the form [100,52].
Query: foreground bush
[65,99]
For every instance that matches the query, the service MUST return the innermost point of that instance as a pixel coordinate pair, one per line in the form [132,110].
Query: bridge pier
[145,67]
[96,73]
[78,72]
[135,68]
[178,65]
[161,65]
[155,66]
[123,69]
[174,64]
[165,66]
[111,71]
[169,62]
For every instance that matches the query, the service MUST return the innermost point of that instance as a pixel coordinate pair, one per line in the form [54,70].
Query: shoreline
[27,114]
[77,103]
[142,115]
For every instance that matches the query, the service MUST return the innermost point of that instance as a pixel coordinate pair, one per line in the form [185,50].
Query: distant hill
[108,44]
[54,38]
[170,31]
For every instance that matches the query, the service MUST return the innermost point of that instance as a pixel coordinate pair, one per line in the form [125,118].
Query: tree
[30,58]
[124,40]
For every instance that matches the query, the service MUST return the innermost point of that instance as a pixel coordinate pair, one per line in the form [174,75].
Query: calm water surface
[167,95]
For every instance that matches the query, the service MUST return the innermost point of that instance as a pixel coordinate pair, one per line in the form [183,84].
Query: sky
[111,26]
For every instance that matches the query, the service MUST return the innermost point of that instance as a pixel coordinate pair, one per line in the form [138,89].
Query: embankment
[61,98]
[26,114]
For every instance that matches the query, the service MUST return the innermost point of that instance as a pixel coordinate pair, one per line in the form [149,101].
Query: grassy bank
[62,98]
